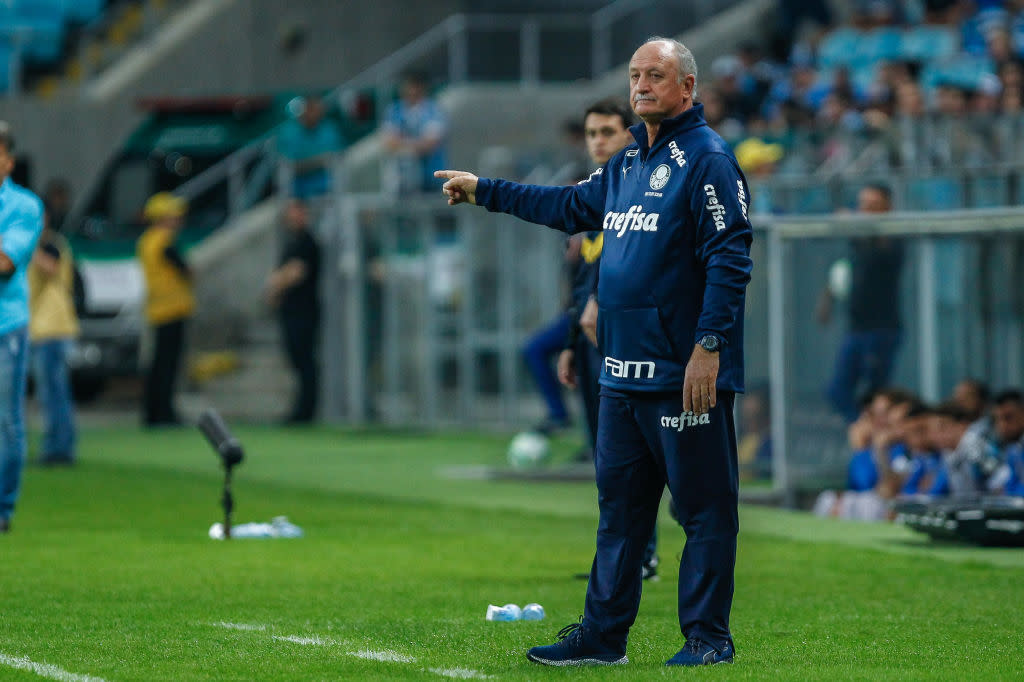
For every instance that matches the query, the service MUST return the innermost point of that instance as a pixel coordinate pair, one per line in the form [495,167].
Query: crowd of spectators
[971,444]
[921,79]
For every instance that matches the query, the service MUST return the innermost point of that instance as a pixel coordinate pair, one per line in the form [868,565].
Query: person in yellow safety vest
[170,302]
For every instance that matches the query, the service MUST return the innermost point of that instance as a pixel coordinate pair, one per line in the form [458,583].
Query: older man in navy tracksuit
[674,271]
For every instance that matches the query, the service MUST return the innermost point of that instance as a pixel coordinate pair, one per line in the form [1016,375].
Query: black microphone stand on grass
[231,455]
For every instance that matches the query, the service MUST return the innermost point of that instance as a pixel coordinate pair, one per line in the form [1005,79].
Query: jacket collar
[688,120]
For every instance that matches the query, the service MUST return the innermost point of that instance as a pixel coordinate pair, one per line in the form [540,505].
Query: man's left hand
[699,381]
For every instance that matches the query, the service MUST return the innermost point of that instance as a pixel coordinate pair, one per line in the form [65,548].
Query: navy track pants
[645,442]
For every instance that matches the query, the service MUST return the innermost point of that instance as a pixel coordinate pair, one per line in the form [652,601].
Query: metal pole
[529,52]
[927,302]
[467,343]
[458,50]
[777,281]
[429,334]
[351,267]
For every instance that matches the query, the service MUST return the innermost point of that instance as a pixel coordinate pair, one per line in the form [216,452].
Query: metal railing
[449,46]
[961,299]
[427,308]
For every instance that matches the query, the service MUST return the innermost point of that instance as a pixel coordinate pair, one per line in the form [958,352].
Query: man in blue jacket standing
[674,270]
[21,222]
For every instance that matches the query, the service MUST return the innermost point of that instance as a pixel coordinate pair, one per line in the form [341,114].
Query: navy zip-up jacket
[676,257]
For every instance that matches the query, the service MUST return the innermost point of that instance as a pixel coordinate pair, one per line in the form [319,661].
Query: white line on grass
[45,669]
[239,626]
[460,673]
[307,641]
[386,656]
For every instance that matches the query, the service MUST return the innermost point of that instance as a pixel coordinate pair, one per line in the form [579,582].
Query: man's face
[313,113]
[655,92]
[605,135]
[872,200]
[917,433]
[878,412]
[6,162]
[296,218]
[413,91]
[965,394]
[1008,420]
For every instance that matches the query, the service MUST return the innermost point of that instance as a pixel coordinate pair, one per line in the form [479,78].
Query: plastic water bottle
[533,612]
[283,528]
[501,613]
[514,609]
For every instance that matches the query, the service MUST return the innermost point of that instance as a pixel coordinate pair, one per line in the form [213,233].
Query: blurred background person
[293,290]
[868,349]
[57,199]
[310,140]
[170,302]
[52,328]
[414,130]
[21,222]
[972,396]
[754,450]
[605,132]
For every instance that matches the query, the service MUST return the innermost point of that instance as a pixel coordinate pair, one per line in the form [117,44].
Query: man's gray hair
[687,64]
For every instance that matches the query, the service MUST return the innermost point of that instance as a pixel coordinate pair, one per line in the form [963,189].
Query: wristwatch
[710,343]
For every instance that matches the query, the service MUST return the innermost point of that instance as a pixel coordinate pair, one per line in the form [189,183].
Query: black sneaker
[575,648]
[697,652]
[650,569]
[5,525]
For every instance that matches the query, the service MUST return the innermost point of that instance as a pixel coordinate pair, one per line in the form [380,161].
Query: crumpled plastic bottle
[502,613]
[279,527]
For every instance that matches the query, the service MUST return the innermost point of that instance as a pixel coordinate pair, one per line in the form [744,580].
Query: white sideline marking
[460,673]
[45,670]
[387,656]
[239,626]
[307,641]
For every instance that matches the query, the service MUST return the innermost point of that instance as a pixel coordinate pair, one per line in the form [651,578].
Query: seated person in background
[880,462]
[972,396]
[969,455]
[1008,430]
[1015,468]
[754,450]
[925,474]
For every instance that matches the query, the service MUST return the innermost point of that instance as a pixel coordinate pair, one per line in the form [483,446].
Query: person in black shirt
[866,356]
[292,289]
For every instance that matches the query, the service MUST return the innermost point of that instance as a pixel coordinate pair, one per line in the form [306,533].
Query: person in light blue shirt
[414,133]
[21,222]
[309,140]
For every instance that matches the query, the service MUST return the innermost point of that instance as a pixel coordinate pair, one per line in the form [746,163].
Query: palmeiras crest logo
[660,176]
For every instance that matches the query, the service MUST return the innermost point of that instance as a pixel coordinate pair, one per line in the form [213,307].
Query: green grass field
[109,574]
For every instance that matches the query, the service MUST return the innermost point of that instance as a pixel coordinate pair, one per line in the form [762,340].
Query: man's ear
[689,85]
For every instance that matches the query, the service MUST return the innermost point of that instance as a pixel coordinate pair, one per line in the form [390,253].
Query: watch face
[709,343]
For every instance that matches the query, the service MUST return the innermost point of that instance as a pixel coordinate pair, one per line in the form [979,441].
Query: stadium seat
[934,194]
[961,71]
[5,68]
[43,9]
[881,43]
[41,40]
[839,48]
[84,11]
[928,43]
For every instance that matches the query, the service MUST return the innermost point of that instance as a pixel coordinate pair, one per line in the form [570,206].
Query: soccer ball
[528,449]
